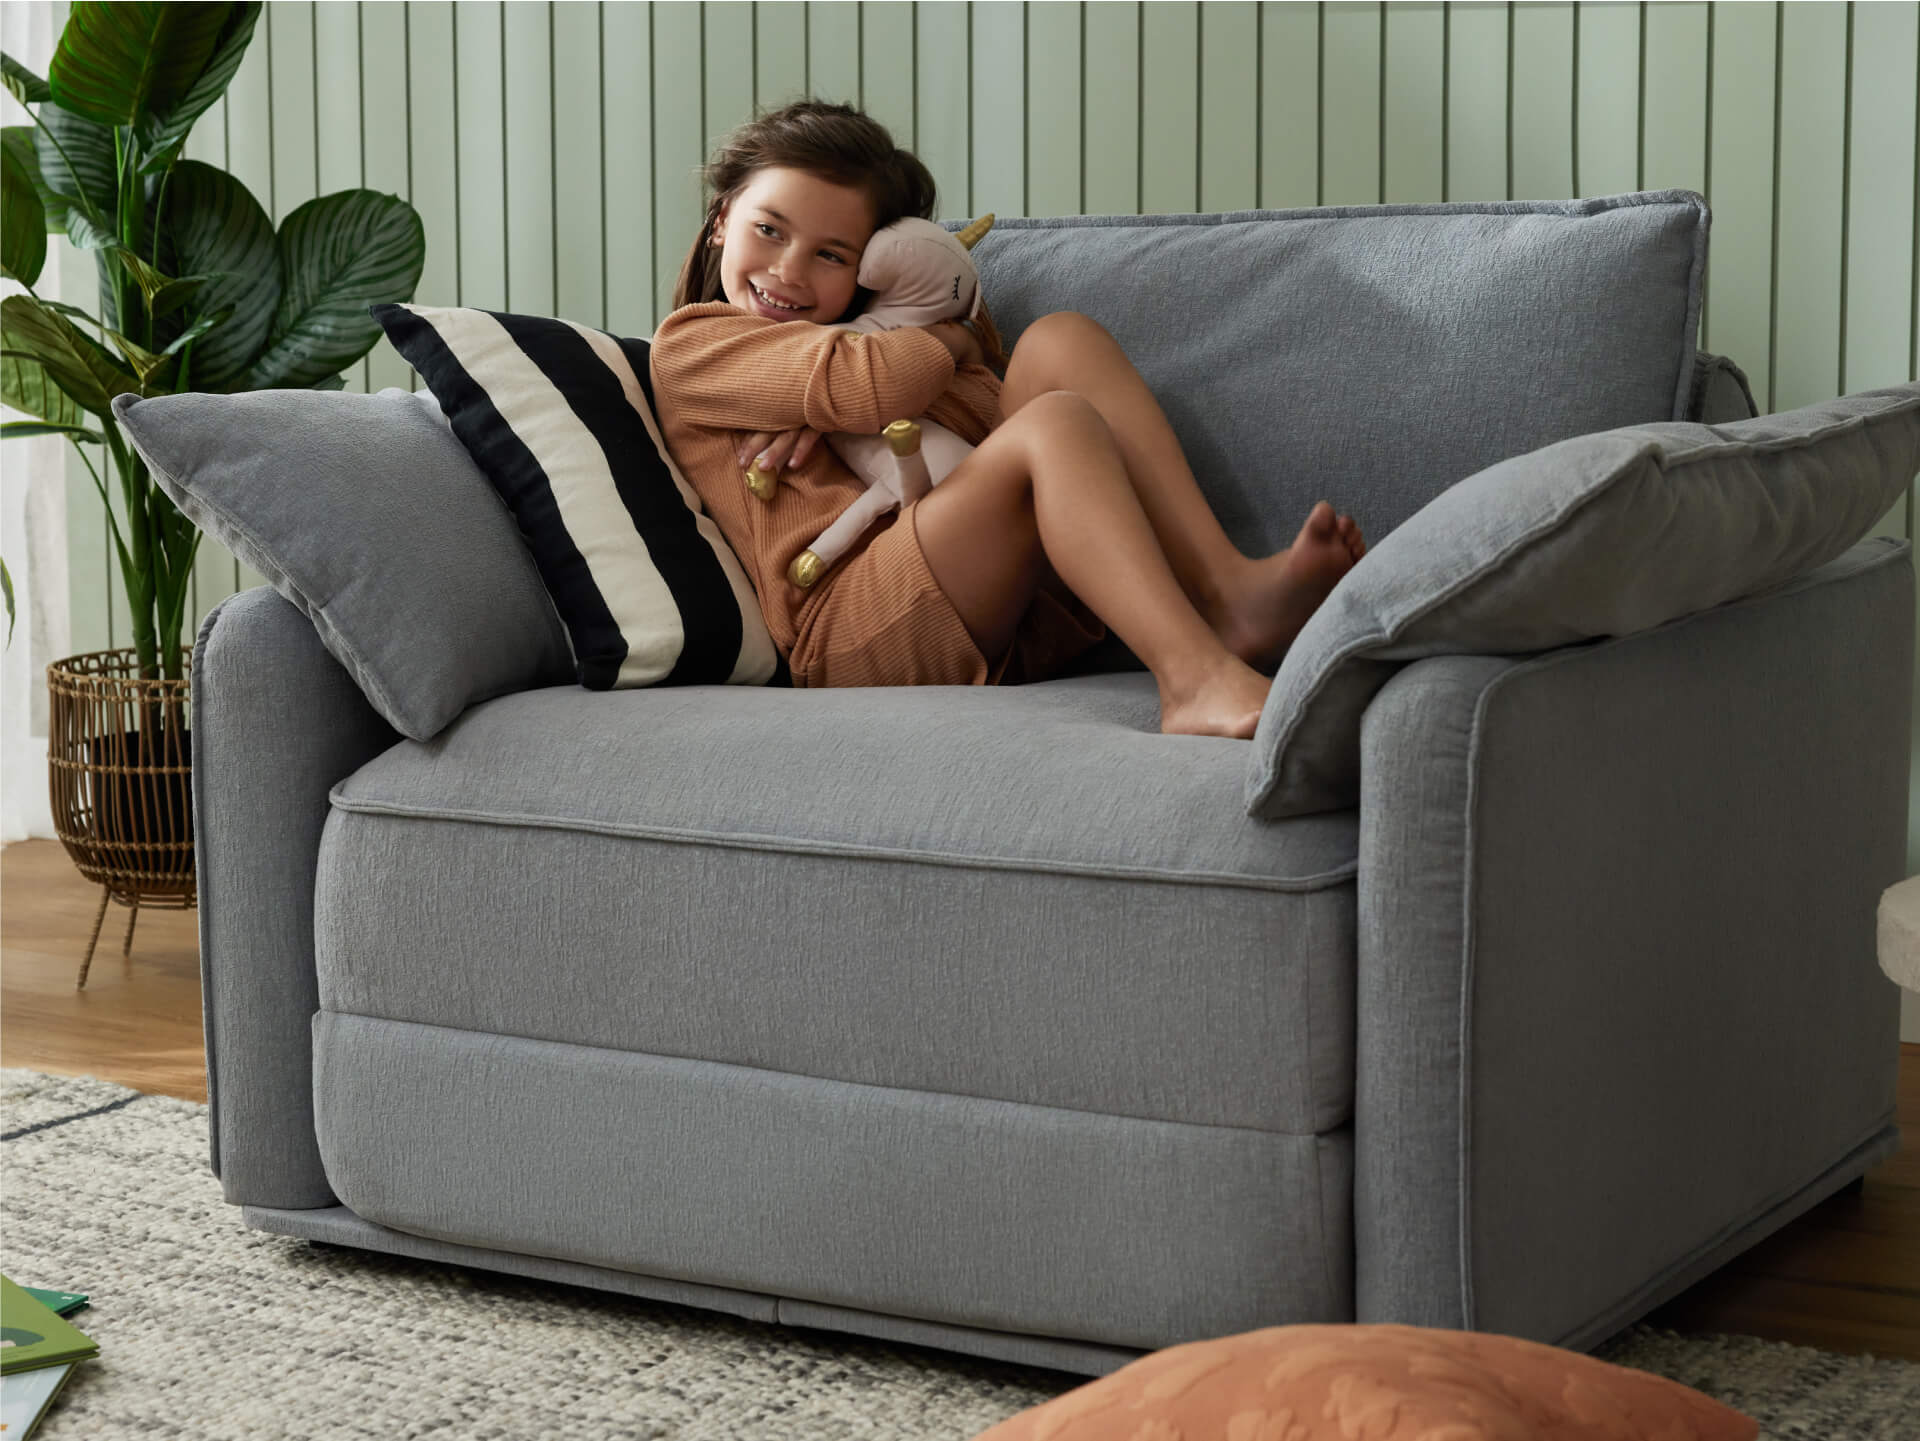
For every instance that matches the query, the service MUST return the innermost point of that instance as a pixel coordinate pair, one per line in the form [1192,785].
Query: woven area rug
[207,1329]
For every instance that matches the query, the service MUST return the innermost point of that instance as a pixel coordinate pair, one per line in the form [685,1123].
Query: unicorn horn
[975,231]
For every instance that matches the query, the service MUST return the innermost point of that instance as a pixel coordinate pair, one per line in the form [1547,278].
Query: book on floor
[32,1336]
[61,1303]
[25,1397]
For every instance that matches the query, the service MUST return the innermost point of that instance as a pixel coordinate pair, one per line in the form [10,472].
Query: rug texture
[210,1330]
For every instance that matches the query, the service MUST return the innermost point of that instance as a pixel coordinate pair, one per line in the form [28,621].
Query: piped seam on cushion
[838,849]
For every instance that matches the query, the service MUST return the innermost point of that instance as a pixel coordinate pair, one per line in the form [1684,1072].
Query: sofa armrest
[276,721]
[1618,1011]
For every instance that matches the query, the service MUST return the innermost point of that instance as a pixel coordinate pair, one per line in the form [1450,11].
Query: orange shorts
[884,620]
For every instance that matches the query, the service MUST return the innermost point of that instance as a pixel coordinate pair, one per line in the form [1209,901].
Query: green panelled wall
[552,149]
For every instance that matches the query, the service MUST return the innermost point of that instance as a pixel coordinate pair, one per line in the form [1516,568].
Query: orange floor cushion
[1375,1383]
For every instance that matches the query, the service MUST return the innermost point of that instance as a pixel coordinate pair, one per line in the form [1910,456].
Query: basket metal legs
[126,946]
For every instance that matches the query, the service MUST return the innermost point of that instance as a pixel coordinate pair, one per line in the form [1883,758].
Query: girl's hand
[790,449]
[960,340]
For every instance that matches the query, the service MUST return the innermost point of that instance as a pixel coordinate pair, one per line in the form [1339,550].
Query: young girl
[1076,508]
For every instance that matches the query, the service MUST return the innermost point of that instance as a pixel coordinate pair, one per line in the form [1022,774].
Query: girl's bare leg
[1049,486]
[1256,607]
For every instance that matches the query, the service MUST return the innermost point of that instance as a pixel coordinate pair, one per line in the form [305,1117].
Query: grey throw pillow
[367,514]
[1602,535]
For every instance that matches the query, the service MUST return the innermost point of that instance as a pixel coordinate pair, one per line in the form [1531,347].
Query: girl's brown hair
[832,142]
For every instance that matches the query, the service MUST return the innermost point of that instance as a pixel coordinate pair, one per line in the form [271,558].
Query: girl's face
[791,245]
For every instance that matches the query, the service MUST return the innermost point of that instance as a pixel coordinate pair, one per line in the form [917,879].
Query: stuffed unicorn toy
[920,273]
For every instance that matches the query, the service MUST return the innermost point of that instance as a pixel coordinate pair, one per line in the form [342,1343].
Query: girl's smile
[791,245]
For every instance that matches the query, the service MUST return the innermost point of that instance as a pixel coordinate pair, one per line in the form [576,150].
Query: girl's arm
[723,368]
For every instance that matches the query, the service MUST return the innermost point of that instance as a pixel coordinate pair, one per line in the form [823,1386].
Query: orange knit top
[721,374]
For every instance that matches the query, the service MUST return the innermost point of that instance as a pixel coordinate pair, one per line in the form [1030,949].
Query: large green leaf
[25,385]
[22,83]
[23,220]
[218,229]
[90,147]
[339,254]
[73,362]
[163,128]
[117,61]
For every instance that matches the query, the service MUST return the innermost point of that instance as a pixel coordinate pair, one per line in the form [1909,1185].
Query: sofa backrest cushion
[1373,355]
[367,514]
[1602,535]
[560,417]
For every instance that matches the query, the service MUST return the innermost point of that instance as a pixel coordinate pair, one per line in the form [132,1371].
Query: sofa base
[339,1226]
[1740,1237]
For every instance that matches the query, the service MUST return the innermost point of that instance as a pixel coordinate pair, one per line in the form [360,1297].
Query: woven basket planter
[119,762]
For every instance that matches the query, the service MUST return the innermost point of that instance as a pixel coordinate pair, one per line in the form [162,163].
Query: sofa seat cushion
[1023,893]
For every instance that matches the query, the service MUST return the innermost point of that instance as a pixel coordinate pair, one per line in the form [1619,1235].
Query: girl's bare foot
[1274,597]
[1223,701]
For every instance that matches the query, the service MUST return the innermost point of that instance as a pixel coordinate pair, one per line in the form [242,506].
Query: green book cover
[61,1303]
[32,1336]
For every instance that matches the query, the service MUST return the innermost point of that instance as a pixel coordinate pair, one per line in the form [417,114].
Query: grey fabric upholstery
[946,1208]
[1720,391]
[276,722]
[1617,996]
[612,870]
[366,514]
[1605,534]
[1373,355]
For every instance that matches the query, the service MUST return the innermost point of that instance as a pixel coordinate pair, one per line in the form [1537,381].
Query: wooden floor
[1843,1277]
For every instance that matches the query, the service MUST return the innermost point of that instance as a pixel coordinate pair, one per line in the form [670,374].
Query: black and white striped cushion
[560,417]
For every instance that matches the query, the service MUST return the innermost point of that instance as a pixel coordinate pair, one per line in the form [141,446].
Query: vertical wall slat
[1880,305]
[632,245]
[528,146]
[999,121]
[434,153]
[1477,102]
[729,87]
[1807,295]
[1412,104]
[1290,106]
[1110,160]
[1351,104]
[336,82]
[833,50]
[383,131]
[1609,98]
[1230,86]
[576,159]
[887,66]
[680,146]
[1742,160]
[1054,133]
[1674,109]
[941,104]
[479,105]
[1170,107]
[1542,109]
[780,53]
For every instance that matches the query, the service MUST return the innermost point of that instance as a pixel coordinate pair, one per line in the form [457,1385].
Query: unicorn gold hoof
[806,569]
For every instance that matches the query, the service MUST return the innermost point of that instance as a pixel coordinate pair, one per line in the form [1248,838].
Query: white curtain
[33,523]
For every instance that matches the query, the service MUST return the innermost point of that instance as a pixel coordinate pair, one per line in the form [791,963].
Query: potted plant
[198,291]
